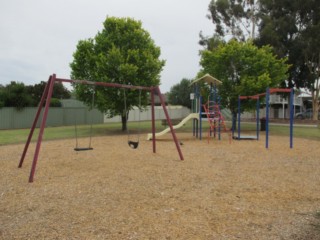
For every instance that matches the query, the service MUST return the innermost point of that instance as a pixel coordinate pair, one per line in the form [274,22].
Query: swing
[77,148]
[134,144]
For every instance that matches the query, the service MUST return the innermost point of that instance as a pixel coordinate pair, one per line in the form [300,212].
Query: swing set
[46,98]
[133,143]
[257,97]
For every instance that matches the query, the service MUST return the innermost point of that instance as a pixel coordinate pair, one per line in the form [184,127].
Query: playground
[167,184]
[220,191]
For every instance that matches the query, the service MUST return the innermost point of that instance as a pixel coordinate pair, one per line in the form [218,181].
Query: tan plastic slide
[180,124]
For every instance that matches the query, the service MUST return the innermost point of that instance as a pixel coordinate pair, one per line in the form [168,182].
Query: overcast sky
[38,37]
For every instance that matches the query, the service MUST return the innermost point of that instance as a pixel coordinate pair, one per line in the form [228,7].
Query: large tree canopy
[293,29]
[59,91]
[16,95]
[244,69]
[19,96]
[123,52]
[234,18]
[180,93]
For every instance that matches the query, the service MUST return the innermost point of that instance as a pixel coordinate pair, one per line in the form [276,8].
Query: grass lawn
[21,135]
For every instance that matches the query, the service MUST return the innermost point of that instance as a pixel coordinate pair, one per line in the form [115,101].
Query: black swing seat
[133,144]
[83,149]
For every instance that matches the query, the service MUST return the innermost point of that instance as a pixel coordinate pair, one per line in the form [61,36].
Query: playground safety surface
[220,191]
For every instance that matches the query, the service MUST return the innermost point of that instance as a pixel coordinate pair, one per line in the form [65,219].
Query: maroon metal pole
[153,122]
[169,123]
[42,126]
[104,84]
[34,124]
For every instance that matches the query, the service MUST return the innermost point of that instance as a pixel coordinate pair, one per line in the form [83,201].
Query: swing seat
[133,144]
[83,149]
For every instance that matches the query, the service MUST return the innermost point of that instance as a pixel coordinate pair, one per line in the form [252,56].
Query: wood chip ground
[220,191]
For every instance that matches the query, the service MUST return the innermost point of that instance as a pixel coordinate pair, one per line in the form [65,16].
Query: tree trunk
[314,108]
[124,122]
[234,121]
[315,103]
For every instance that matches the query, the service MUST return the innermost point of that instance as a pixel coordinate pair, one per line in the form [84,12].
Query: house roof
[304,95]
[208,79]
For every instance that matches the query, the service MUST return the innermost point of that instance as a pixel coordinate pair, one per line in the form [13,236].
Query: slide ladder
[215,120]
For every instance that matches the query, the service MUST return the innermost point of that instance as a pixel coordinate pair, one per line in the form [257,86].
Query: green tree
[210,43]
[293,29]
[180,93]
[59,92]
[2,95]
[123,52]
[234,18]
[15,95]
[244,69]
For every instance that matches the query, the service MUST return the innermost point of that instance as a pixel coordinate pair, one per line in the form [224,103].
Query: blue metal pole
[200,117]
[239,111]
[211,93]
[197,108]
[194,109]
[291,117]
[258,118]
[219,126]
[267,117]
[211,102]
[215,93]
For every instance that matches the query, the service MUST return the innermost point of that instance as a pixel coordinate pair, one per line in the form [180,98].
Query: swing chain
[131,143]
[77,148]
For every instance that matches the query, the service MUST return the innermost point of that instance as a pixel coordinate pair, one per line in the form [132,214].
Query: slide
[180,124]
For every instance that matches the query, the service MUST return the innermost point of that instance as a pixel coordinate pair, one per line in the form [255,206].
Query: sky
[38,37]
